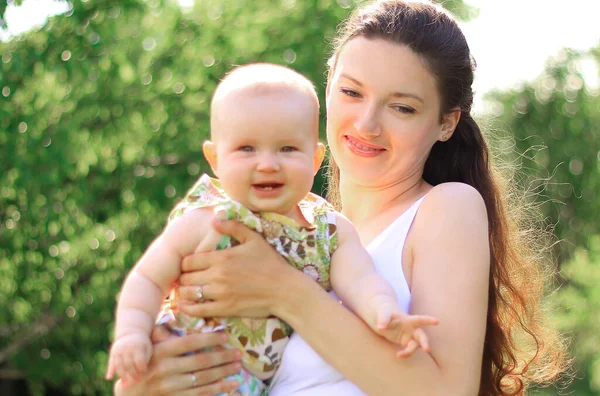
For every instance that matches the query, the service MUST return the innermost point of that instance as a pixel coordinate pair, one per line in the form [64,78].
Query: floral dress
[309,250]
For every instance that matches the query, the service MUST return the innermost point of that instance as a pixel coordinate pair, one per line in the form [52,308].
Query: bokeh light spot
[289,56]
[344,3]
[71,312]
[170,191]
[208,61]
[149,43]
[576,166]
[194,169]
[179,88]
[53,250]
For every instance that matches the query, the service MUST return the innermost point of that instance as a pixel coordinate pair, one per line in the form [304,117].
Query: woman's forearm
[370,363]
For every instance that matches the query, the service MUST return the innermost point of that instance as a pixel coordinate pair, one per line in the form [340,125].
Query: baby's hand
[129,357]
[403,329]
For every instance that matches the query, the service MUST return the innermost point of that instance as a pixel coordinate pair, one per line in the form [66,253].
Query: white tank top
[302,371]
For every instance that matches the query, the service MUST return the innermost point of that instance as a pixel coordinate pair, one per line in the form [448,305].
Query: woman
[410,168]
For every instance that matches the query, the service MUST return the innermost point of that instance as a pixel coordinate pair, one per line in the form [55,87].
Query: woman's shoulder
[450,207]
[454,195]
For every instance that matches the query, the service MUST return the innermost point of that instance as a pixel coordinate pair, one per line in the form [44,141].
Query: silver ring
[195,383]
[199,294]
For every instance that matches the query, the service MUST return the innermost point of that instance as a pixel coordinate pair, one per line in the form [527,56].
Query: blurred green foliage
[555,121]
[103,113]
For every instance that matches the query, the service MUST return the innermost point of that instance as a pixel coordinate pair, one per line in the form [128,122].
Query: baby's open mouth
[267,186]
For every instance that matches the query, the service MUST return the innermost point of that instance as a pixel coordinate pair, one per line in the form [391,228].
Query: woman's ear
[210,153]
[449,123]
[319,155]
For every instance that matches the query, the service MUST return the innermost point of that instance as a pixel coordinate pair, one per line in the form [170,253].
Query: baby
[265,151]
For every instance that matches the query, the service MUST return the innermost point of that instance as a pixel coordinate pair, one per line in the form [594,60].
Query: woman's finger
[189,343]
[195,278]
[216,388]
[212,375]
[234,229]
[206,309]
[190,294]
[196,262]
[205,360]
[160,334]
[199,382]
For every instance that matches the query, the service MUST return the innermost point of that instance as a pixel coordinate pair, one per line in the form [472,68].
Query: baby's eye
[246,149]
[289,149]
[350,92]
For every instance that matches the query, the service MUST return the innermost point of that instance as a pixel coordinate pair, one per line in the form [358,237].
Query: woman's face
[383,113]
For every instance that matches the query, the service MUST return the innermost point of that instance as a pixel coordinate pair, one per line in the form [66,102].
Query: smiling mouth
[362,147]
[267,186]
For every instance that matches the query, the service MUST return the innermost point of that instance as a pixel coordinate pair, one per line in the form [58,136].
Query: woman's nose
[268,162]
[367,121]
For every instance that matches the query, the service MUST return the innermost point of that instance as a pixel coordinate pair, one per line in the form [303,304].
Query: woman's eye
[289,149]
[246,149]
[403,109]
[349,92]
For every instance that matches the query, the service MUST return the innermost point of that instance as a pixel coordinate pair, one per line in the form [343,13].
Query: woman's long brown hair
[520,347]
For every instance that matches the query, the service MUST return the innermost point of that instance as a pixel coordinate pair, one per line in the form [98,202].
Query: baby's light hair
[261,79]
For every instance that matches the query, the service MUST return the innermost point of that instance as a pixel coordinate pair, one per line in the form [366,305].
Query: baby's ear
[319,155]
[210,153]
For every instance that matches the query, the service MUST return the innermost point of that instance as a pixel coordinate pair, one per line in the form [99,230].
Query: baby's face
[267,150]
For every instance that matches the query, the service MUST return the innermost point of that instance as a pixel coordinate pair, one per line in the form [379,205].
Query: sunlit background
[510,39]
[104,106]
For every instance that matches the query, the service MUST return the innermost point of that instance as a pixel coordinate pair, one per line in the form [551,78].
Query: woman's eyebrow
[354,80]
[395,94]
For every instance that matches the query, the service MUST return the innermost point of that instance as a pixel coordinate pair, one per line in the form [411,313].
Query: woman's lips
[361,148]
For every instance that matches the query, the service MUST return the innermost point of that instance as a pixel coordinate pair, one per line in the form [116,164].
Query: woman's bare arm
[449,281]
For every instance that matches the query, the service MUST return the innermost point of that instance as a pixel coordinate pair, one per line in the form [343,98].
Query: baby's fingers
[141,359]
[410,349]
[119,366]
[110,371]
[384,318]
[422,320]
[421,338]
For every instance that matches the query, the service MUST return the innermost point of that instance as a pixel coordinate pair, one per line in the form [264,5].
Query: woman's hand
[172,374]
[250,279]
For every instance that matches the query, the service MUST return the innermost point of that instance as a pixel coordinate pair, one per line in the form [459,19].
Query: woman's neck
[361,204]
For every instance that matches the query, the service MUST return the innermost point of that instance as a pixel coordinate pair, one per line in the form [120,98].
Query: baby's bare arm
[145,288]
[371,297]
[157,270]
[353,275]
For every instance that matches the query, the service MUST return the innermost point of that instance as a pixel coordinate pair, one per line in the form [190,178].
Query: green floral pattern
[308,249]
